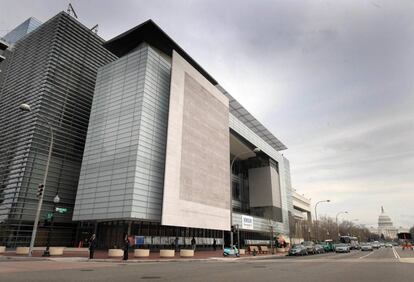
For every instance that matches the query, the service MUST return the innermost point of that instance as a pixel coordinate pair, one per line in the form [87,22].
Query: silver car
[342,248]
[366,247]
[376,245]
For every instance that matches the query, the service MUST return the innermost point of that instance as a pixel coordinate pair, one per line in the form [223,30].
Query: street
[385,264]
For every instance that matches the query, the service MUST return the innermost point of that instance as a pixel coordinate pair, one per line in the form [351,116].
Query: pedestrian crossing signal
[40,189]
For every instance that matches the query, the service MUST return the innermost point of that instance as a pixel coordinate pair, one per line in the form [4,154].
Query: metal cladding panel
[123,165]
[54,70]
[197,176]
[288,184]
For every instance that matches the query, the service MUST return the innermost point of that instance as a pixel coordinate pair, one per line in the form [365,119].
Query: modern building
[53,69]
[22,30]
[169,153]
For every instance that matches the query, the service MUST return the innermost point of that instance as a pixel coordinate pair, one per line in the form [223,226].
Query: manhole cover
[150,277]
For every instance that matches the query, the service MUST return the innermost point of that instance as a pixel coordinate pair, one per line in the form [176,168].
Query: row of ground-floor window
[111,234]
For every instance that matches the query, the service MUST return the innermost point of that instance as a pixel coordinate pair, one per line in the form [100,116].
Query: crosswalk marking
[397,256]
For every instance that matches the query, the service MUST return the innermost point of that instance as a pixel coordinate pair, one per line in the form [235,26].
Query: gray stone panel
[204,146]
[197,179]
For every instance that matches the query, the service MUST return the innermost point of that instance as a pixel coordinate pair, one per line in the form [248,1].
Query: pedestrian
[126,247]
[176,244]
[193,243]
[92,245]
[214,244]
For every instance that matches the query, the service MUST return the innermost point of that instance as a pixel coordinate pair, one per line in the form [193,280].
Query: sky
[333,80]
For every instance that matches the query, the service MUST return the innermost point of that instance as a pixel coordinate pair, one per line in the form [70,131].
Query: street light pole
[26,108]
[337,225]
[255,150]
[56,201]
[316,217]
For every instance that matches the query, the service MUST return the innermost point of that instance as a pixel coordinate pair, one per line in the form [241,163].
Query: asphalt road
[379,265]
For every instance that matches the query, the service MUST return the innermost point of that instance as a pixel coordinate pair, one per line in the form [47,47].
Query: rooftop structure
[22,30]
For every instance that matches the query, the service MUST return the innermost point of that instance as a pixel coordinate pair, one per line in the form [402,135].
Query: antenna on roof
[71,11]
[95,28]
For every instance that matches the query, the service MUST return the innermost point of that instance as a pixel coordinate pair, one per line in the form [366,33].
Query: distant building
[301,206]
[301,218]
[385,227]
[22,30]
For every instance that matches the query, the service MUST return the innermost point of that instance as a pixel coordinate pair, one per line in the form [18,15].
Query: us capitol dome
[385,226]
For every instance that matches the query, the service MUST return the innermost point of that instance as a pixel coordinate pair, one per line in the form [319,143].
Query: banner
[247,222]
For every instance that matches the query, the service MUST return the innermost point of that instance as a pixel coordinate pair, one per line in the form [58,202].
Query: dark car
[298,250]
[310,247]
[319,249]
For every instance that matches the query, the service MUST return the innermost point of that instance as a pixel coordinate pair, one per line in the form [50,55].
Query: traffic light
[40,189]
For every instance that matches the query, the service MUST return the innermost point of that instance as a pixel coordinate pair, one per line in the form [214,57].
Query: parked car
[382,245]
[232,251]
[310,247]
[342,248]
[298,250]
[375,245]
[319,249]
[366,247]
[388,245]
[328,245]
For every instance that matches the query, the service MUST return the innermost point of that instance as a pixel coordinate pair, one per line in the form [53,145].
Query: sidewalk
[102,256]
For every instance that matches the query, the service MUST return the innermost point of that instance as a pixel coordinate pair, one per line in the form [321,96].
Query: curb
[84,259]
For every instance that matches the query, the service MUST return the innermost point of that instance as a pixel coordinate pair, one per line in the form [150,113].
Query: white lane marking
[364,256]
[397,256]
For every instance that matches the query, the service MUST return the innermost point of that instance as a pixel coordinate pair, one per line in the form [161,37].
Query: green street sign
[61,210]
[49,215]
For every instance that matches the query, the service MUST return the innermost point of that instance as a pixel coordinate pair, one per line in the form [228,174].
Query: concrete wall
[264,187]
[197,182]
[260,187]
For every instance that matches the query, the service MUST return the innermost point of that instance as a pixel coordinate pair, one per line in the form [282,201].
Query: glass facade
[22,30]
[53,69]
[123,165]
